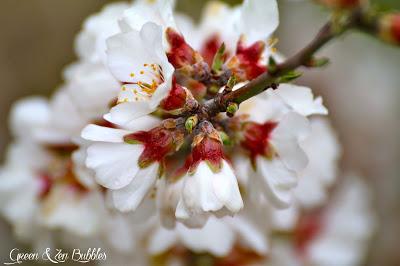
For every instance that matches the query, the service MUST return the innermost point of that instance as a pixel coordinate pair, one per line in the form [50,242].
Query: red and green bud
[176,99]
[180,53]
[158,142]
[389,28]
[210,49]
[246,64]
[206,147]
[256,139]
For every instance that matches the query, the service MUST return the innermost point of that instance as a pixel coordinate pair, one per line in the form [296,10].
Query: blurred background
[361,88]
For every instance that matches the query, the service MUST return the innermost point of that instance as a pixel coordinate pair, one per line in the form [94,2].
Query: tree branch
[329,31]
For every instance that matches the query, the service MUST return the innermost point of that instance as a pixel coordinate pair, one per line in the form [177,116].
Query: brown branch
[329,31]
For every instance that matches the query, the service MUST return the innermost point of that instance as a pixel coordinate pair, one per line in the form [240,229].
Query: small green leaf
[226,140]
[318,62]
[231,82]
[218,59]
[291,75]
[271,64]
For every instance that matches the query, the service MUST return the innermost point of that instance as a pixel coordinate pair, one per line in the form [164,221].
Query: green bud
[190,123]
[213,89]
[231,109]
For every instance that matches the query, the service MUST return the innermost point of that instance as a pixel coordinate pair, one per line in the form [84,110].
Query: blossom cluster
[123,156]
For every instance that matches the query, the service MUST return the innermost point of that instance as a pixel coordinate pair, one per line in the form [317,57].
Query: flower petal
[198,192]
[276,181]
[124,113]
[226,188]
[215,237]
[259,19]
[129,197]
[301,99]
[115,164]
[104,134]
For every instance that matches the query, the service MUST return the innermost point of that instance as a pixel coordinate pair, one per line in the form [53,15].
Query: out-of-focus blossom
[271,140]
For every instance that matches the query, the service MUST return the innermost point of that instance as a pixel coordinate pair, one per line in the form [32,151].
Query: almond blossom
[136,59]
[210,184]
[172,143]
[136,160]
[272,140]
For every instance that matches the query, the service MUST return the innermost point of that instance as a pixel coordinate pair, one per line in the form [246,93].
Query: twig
[328,32]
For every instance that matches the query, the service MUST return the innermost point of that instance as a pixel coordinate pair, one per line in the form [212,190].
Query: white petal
[215,237]
[90,42]
[189,219]
[26,114]
[143,123]
[115,164]
[129,52]
[259,19]
[161,240]
[73,212]
[323,151]
[159,12]
[285,140]
[91,87]
[125,113]
[276,107]
[181,211]
[129,197]
[198,192]
[301,99]
[250,235]
[104,134]
[276,181]
[226,188]
[83,174]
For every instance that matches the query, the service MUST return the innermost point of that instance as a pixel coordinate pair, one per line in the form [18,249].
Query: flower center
[256,139]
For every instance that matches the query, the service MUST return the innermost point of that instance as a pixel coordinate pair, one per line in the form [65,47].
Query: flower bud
[176,100]
[158,143]
[231,109]
[190,123]
[389,28]
[180,54]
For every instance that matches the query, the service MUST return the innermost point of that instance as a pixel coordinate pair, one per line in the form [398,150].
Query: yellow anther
[273,41]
